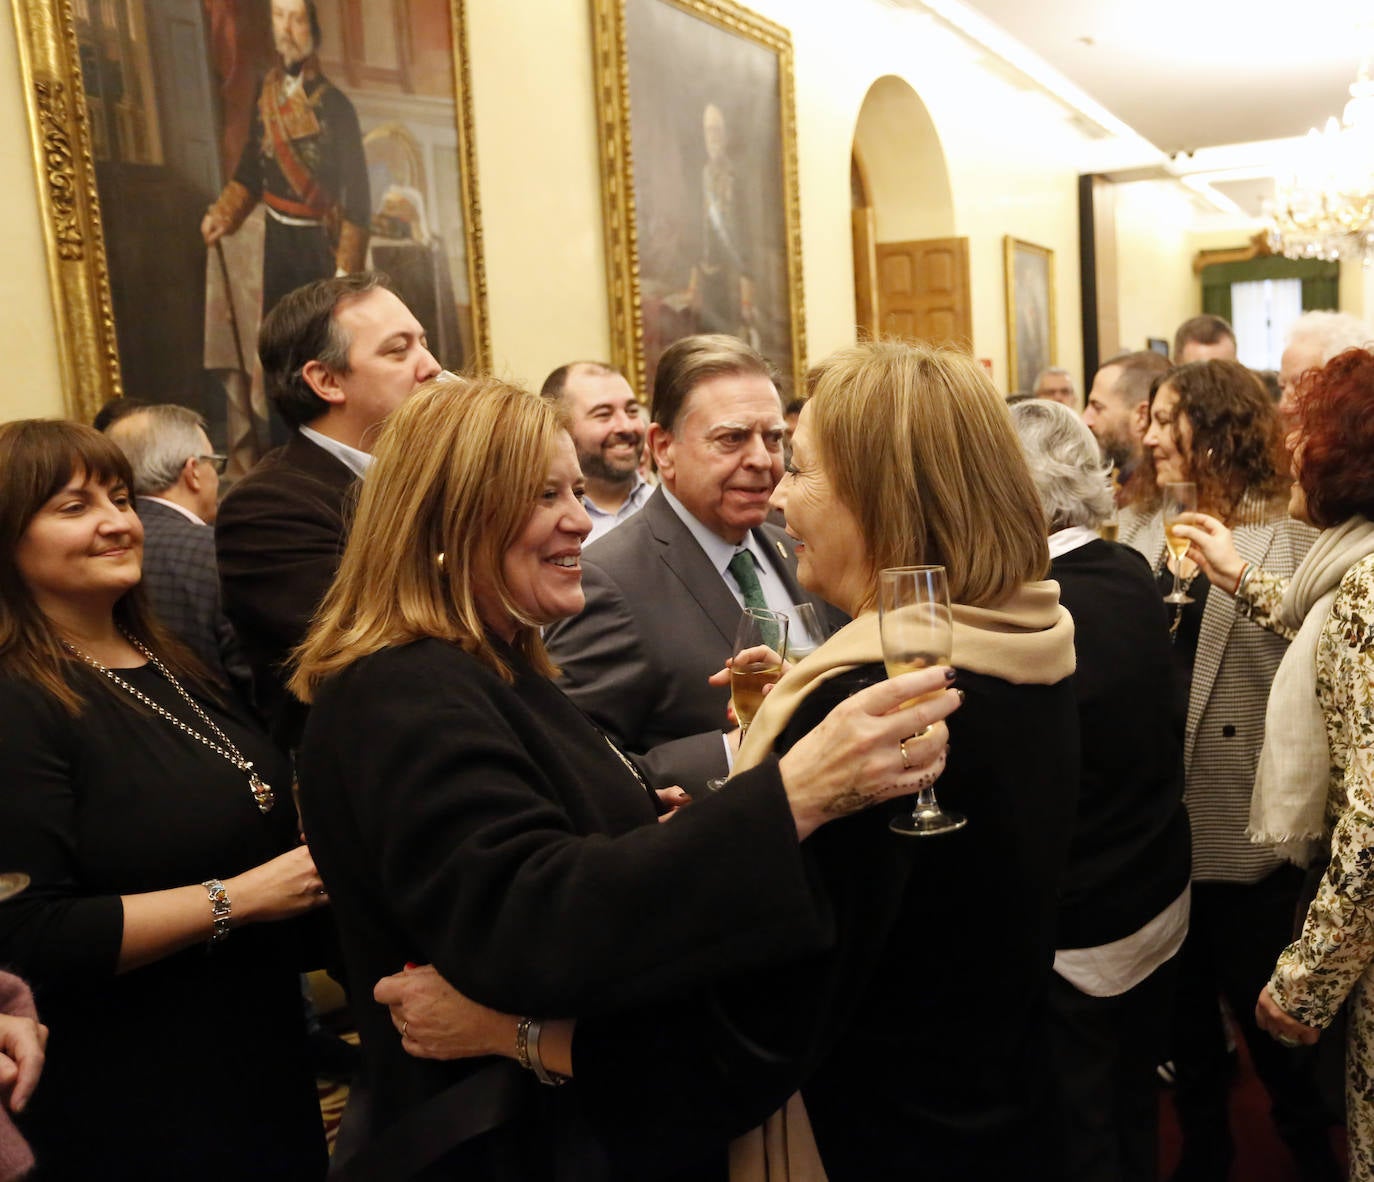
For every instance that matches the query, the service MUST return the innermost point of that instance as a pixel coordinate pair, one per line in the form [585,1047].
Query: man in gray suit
[176,481]
[665,589]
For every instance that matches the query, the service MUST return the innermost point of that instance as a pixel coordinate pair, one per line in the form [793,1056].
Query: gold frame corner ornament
[69,203]
[1010,246]
[612,82]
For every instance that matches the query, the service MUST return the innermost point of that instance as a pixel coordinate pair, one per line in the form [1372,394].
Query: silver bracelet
[221,908]
[532,1058]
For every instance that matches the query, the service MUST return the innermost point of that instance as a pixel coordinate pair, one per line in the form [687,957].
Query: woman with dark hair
[1213,423]
[1316,772]
[156,826]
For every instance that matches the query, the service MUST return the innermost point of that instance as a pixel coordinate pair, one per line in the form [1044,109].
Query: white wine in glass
[805,632]
[917,632]
[760,641]
[1179,498]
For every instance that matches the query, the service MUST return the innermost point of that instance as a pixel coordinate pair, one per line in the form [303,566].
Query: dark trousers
[1105,1050]
[1236,932]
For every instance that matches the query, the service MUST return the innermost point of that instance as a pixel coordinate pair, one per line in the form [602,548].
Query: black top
[1130,854]
[191,1067]
[917,1035]
[489,828]
[941,1071]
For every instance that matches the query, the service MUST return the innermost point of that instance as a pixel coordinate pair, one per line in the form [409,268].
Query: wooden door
[923,291]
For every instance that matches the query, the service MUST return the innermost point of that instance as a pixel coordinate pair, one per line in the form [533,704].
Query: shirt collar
[717,549]
[1064,540]
[185,512]
[639,493]
[352,458]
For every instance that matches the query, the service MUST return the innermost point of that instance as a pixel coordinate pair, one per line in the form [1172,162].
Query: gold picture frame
[690,94]
[59,40]
[1031,325]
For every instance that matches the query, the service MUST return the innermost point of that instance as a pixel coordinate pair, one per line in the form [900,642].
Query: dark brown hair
[1236,451]
[1205,330]
[302,328]
[37,458]
[687,363]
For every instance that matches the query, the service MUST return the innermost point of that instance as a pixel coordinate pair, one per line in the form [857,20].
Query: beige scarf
[1027,640]
[1288,805]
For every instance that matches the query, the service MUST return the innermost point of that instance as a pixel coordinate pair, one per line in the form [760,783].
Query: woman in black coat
[466,815]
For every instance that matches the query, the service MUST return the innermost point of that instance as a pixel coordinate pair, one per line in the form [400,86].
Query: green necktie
[742,567]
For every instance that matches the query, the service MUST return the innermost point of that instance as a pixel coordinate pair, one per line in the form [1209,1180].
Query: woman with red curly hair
[1316,771]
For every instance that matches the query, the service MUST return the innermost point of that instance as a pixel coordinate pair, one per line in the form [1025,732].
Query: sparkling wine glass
[805,632]
[760,641]
[1179,498]
[918,632]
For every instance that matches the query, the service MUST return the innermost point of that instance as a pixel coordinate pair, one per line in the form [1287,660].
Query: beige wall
[1154,260]
[1012,162]
[32,383]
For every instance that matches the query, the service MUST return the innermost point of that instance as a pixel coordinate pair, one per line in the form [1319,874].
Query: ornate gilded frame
[1011,248]
[617,173]
[78,270]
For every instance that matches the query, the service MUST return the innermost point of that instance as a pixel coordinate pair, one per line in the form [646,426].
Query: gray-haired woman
[1123,908]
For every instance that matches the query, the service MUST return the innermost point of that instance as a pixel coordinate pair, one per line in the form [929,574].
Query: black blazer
[659,621]
[279,537]
[1130,852]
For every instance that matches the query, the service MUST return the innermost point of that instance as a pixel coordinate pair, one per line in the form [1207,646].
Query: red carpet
[1260,1155]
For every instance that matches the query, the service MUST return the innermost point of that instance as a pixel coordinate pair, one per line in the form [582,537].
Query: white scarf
[1288,805]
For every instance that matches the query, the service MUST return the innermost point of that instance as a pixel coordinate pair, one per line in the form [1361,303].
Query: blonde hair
[454,478]
[921,449]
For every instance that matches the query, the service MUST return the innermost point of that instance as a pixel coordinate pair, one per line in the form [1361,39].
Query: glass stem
[925,802]
[1178,562]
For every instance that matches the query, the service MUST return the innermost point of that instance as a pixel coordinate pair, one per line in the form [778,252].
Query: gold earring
[440,560]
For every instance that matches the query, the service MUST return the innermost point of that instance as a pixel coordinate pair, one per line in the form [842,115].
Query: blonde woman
[465,814]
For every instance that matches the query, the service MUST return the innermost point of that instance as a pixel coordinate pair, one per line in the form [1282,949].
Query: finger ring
[1288,1040]
[906,763]
[405,1029]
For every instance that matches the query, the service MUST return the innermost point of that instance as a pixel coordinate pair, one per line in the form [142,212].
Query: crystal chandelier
[1325,210]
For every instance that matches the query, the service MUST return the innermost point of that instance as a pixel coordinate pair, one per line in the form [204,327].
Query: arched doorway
[910,272]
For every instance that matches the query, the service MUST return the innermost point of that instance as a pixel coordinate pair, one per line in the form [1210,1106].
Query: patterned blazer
[182,581]
[1234,665]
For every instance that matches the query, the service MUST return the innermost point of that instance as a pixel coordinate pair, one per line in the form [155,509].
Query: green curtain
[1320,281]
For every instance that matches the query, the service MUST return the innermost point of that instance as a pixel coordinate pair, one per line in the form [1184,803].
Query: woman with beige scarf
[919,1037]
[1316,770]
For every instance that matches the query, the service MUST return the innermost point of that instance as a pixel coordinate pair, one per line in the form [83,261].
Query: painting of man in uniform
[705,126]
[248,146]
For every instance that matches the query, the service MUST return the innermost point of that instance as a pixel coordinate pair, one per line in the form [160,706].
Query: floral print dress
[1334,956]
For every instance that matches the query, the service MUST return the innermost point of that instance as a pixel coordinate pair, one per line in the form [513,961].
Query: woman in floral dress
[1316,773]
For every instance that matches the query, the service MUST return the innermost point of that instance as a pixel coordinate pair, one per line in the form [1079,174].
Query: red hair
[1336,422]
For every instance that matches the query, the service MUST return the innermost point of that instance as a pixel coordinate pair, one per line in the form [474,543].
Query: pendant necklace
[262,791]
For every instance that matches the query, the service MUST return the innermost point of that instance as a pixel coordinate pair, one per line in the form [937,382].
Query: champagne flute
[760,641]
[805,633]
[1179,498]
[918,632]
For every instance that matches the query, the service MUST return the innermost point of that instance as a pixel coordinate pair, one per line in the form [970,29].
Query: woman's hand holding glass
[1210,546]
[885,741]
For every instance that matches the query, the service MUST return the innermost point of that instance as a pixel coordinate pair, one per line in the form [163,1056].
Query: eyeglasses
[217,462]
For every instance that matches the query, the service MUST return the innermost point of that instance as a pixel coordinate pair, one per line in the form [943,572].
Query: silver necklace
[262,791]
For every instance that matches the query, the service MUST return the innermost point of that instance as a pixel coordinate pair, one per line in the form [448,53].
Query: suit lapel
[1219,616]
[688,562]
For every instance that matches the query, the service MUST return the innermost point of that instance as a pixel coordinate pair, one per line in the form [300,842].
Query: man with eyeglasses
[665,589]
[176,483]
